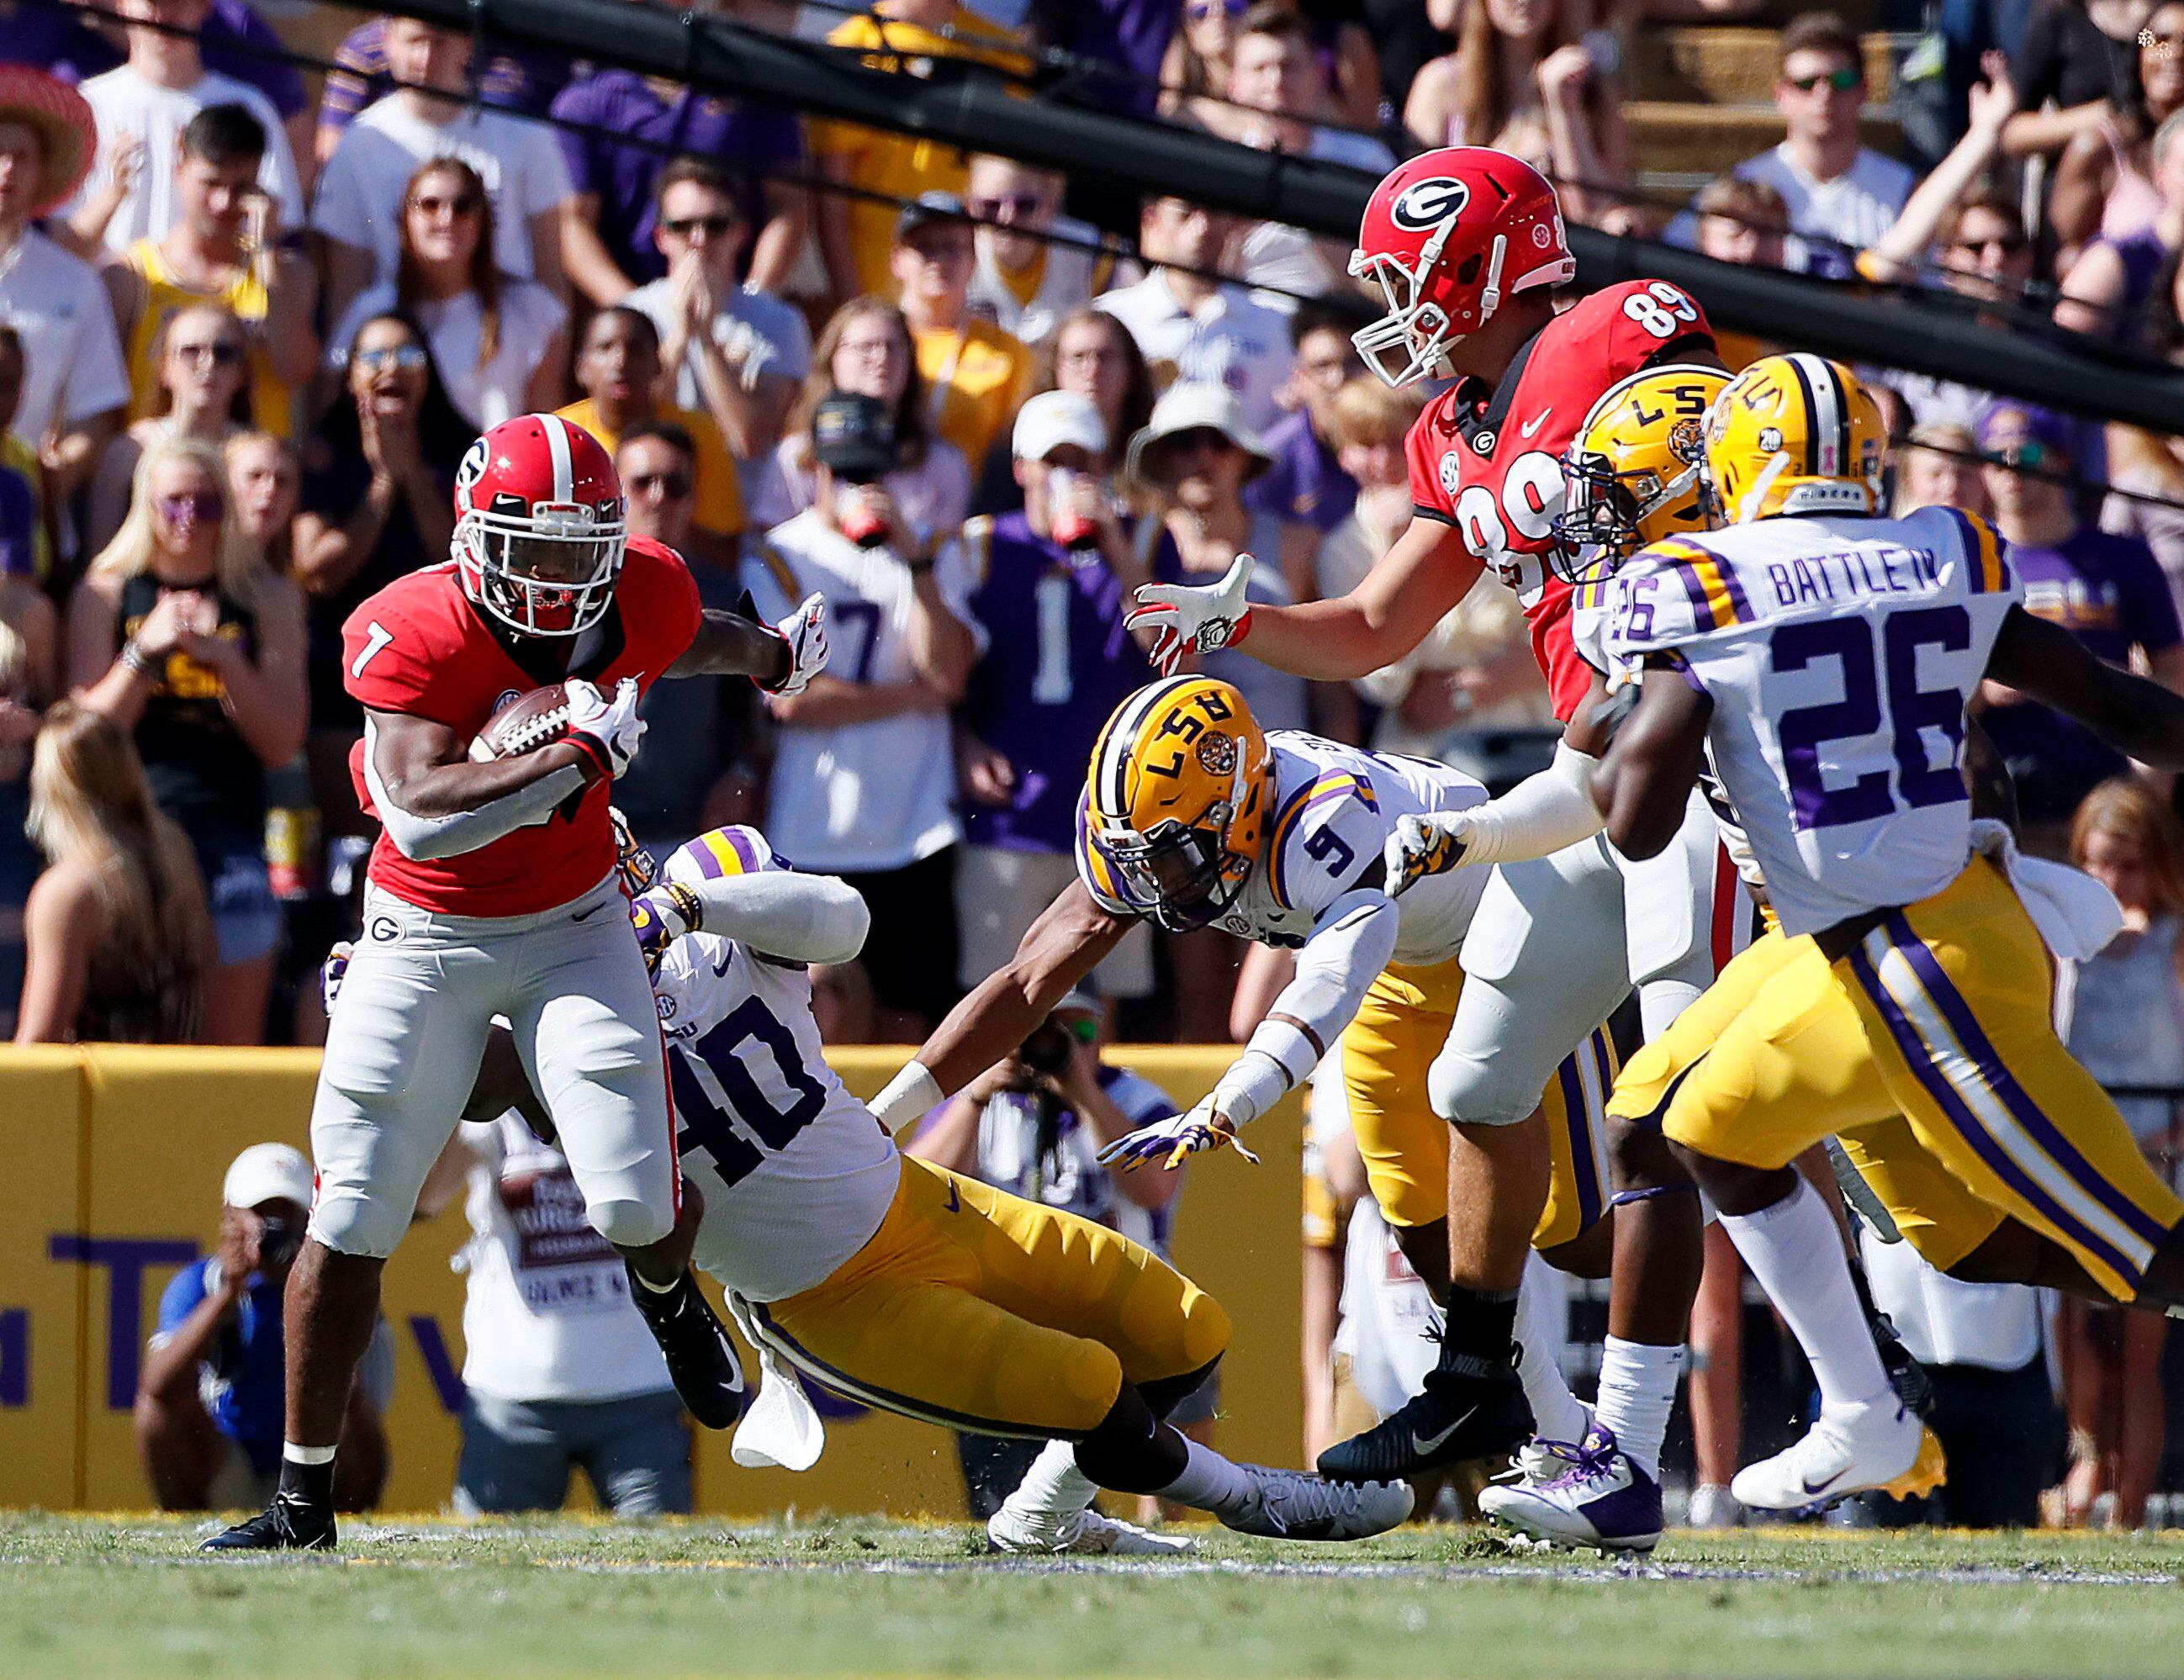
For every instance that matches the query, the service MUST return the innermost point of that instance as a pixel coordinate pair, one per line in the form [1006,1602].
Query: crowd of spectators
[250,318]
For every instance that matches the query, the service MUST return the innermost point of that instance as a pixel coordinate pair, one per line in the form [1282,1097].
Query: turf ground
[123,1596]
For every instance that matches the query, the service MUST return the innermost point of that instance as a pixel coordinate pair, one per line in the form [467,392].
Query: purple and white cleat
[1600,1498]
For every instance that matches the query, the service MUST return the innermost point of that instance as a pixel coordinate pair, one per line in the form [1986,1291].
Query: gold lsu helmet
[1177,798]
[1636,471]
[1795,434]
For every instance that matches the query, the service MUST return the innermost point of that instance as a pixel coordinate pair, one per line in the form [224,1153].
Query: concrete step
[1719,66]
[1668,136]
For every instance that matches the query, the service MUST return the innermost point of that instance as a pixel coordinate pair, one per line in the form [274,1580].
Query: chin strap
[1490,299]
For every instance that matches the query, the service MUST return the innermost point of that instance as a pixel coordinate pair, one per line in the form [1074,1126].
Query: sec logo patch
[666,1005]
[1451,473]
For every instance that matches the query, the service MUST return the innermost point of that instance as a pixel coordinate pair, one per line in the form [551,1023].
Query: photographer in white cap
[209,1397]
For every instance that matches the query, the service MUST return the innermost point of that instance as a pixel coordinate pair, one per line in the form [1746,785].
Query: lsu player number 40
[1824,654]
[901,1284]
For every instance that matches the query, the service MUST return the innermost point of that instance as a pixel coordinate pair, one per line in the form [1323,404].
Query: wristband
[594,762]
[136,659]
[910,1095]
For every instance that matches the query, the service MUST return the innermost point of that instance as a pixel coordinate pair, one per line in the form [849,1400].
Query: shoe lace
[1590,1459]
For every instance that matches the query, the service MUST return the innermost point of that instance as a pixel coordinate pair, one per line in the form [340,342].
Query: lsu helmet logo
[1217,754]
[1687,441]
[1427,203]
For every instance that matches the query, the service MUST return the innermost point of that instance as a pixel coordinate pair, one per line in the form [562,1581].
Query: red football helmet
[1447,235]
[538,525]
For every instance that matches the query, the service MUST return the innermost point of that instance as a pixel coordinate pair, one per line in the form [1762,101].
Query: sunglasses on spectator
[2008,243]
[2021,454]
[391,355]
[1196,438]
[219,353]
[713,226]
[1198,11]
[1843,80]
[198,504]
[1019,206]
[464,204]
[674,485]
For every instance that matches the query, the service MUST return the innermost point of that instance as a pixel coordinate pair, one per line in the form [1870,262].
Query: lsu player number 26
[1824,655]
[901,1284]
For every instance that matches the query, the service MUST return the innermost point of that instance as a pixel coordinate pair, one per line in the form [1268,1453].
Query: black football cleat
[701,1360]
[288,1524]
[1470,1408]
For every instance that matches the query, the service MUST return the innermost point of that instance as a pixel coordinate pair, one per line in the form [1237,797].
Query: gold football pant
[1387,1050]
[977,1309]
[1930,1050]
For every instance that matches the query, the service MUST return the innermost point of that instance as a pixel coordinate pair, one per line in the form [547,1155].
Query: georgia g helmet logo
[1427,203]
[473,464]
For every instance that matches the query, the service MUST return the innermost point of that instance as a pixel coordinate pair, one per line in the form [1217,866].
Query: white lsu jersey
[796,1173]
[1334,809]
[1839,654]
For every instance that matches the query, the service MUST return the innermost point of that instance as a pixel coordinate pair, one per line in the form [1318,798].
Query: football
[525,724]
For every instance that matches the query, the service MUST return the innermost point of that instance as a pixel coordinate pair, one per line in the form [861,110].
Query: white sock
[1558,1415]
[655,1288]
[296,1454]
[1054,1487]
[1796,1252]
[1637,1391]
[1209,1483]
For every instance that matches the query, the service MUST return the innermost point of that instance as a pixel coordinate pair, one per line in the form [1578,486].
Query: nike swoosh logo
[1422,1444]
[1526,430]
[1823,1484]
[955,1201]
[722,966]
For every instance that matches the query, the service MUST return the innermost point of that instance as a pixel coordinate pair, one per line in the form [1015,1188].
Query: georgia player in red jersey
[1467,247]
[493,892]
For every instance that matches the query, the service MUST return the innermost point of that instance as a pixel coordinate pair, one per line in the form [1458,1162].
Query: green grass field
[123,1596]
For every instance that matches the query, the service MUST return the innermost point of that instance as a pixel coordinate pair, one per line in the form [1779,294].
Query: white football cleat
[1085,1531]
[1875,1446]
[1295,1504]
[1600,1498]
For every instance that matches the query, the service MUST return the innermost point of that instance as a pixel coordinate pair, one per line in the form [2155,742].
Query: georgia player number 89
[1661,309]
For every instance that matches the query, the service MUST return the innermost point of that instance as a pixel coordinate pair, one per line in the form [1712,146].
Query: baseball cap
[853,436]
[1054,418]
[926,209]
[2056,434]
[265,1172]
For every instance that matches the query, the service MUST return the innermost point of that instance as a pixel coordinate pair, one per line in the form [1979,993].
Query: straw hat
[62,118]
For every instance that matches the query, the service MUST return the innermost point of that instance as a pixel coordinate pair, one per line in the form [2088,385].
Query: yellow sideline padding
[117,1153]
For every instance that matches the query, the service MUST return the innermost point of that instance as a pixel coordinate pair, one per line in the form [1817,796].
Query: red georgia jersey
[1488,460]
[420,647]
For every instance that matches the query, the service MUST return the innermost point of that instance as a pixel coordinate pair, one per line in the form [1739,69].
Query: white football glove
[804,630]
[1193,618]
[332,971]
[609,731]
[1169,1141]
[1432,844]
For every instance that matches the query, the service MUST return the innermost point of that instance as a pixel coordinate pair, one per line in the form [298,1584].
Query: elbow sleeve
[428,839]
[1354,941]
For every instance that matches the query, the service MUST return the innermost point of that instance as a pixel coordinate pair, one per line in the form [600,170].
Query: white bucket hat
[1198,405]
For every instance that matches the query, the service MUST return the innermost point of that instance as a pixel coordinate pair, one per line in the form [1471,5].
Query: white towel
[782,1430]
[2075,914]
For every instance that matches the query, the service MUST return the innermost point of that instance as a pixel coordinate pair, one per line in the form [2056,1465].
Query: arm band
[1542,814]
